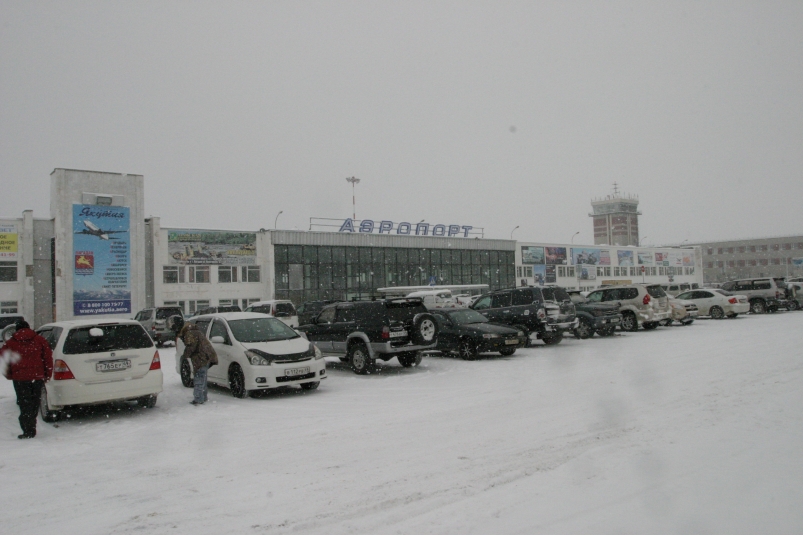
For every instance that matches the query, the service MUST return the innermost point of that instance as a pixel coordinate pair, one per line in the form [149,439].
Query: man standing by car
[28,361]
[202,355]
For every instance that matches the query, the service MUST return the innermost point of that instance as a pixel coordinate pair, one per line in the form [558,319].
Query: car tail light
[385,332]
[646,299]
[733,300]
[156,363]
[61,371]
[541,313]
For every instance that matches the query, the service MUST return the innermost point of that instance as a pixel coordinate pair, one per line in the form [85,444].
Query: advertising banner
[8,242]
[532,255]
[204,247]
[797,262]
[555,255]
[585,256]
[644,259]
[539,274]
[551,275]
[688,258]
[661,259]
[586,272]
[604,257]
[625,258]
[102,253]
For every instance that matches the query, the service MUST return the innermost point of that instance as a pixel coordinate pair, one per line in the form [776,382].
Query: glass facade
[314,272]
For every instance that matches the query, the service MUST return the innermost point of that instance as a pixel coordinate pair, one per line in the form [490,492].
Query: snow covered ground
[681,430]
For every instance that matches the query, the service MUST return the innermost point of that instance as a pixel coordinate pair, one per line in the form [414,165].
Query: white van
[434,299]
[278,308]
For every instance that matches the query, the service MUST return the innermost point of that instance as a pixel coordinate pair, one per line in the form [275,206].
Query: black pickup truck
[546,311]
[600,318]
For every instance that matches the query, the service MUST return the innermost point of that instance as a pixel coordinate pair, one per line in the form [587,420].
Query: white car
[278,308]
[255,352]
[98,361]
[717,303]
[434,299]
[683,311]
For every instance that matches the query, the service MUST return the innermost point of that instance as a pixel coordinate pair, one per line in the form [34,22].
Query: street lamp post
[573,235]
[277,219]
[641,241]
[353,195]
[511,232]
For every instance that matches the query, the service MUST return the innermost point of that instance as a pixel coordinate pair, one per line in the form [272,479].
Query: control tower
[616,219]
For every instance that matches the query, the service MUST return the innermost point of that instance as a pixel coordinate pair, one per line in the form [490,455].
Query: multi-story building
[616,219]
[762,257]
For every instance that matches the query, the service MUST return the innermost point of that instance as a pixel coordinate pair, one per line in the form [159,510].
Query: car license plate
[398,334]
[296,371]
[512,341]
[112,365]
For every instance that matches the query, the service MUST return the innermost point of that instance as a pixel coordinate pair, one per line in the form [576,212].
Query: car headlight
[256,360]
[490,336]
[318,354]
[519,334]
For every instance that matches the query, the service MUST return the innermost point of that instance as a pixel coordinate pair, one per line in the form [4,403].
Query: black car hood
[488,328]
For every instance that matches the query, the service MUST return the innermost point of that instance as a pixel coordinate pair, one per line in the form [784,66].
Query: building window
[8,307]
[731,263]
[741,249]
[689,271]
[570,271]
[730,250]
[776,246]
[249,300]
[752,248]
[776,261]
[250,274]
[199,274]
[740,263]
[227,274]
[787,246]
[195,306]
[800,245]
[752,262]
[710,265]
[528,271]
[720,263]
[764,262]
[173,274]
[600,271]
[719,250]
[652,271]
[227,302]
[710,250]
[8,271]
[763,248]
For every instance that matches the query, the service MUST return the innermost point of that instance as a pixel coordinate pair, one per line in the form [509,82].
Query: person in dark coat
[28,361]
[202,355]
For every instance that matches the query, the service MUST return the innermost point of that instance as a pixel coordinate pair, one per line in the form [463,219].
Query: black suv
[546,311]
[307,311]
[600,318]
[360,332]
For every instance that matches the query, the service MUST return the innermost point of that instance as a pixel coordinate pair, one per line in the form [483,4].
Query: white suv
[639,304]
[254,352]
[98,361]
[278,308]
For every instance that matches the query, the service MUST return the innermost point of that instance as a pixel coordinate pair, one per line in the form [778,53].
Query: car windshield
[115,338]
[723,292]
[685,295]
[464,317]
[555,294]
[656,291]
[164,313]
[255,330]
[229,308]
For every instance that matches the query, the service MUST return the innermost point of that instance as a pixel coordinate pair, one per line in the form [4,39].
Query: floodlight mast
[353,181]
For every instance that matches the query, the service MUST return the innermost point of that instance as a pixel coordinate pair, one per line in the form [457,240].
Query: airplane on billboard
[93,230]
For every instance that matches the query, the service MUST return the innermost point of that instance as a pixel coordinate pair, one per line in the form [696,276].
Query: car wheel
[147,402]
[237,382]
[507,351]
[425,330]
[47,415]
[792,305]
[583,330]
[186,373]
[468,349]
[310,386]
[607,331]
[552,339]
[717,313]
[629,322]
[361,362]
[526,331]
[650,325]
[757,306]
[410,358]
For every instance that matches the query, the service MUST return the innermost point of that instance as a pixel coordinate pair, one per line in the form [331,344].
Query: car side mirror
[217,340]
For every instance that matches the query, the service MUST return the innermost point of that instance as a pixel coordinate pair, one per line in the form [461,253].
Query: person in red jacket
[28,361]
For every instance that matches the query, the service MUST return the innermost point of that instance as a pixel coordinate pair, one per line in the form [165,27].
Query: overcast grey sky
[492,114]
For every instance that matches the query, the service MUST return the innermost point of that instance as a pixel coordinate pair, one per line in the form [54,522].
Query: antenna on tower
[615,189]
